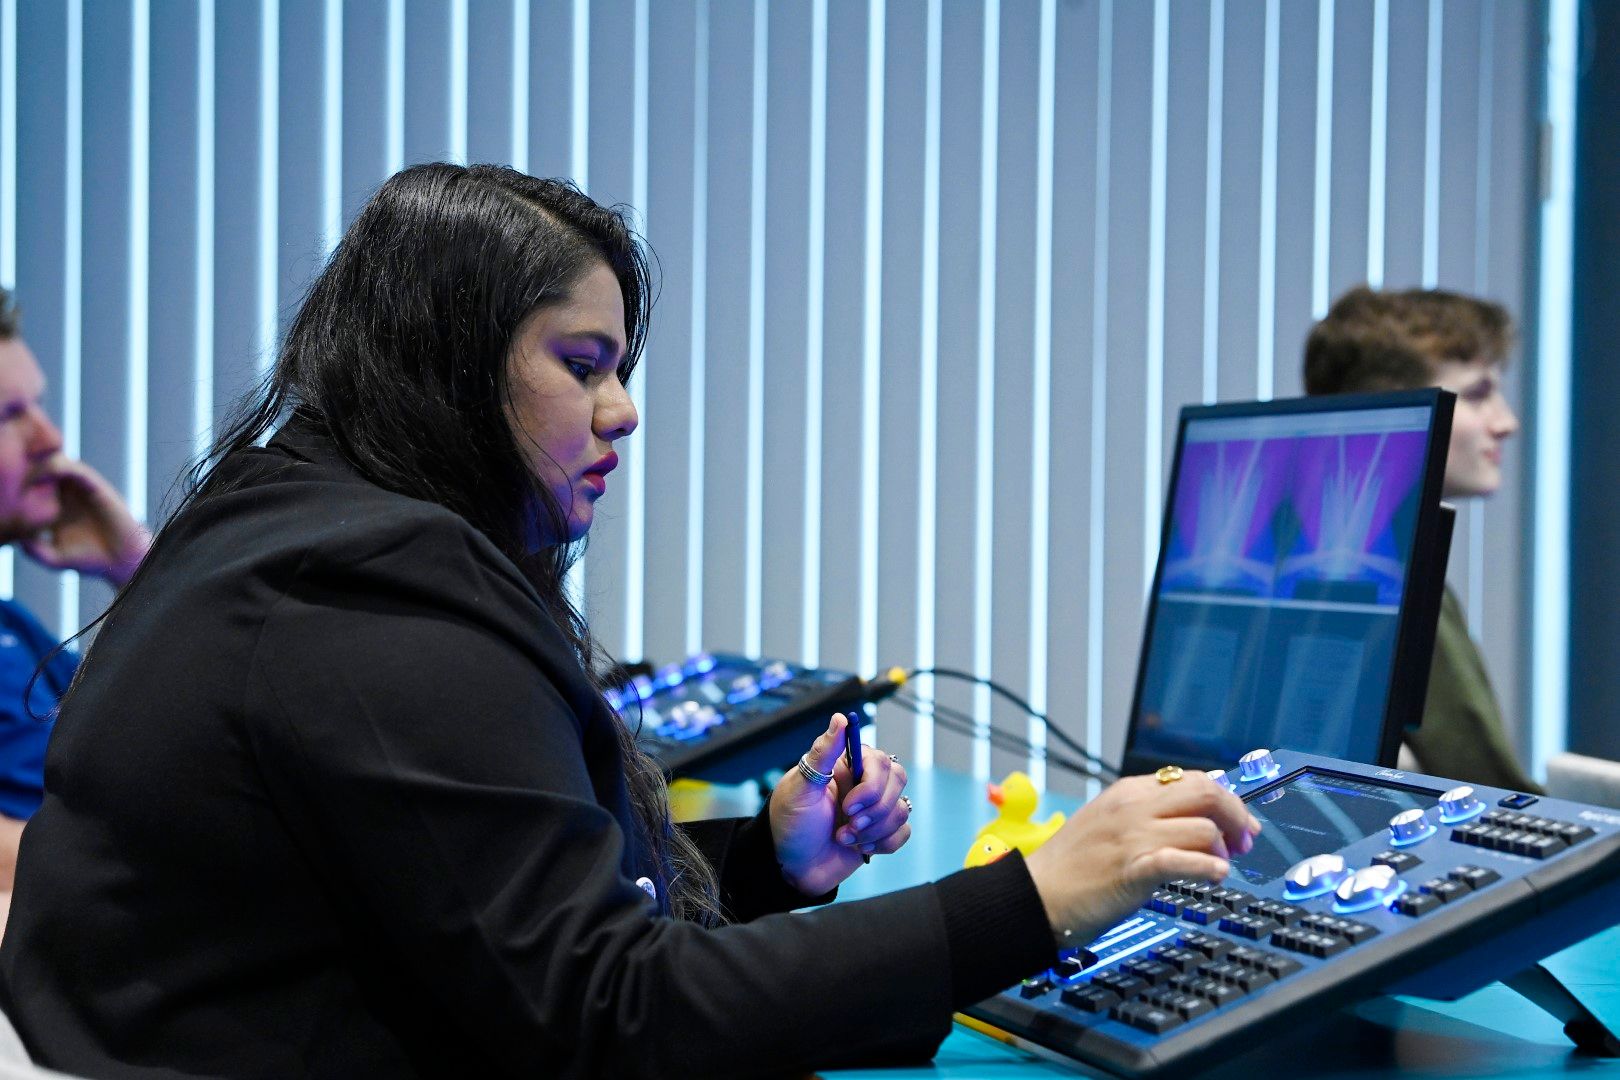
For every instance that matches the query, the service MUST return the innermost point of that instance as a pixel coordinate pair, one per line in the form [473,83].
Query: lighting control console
[1363,880]
[730,718]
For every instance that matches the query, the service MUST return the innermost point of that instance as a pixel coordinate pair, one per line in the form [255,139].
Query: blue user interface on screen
[1280,590]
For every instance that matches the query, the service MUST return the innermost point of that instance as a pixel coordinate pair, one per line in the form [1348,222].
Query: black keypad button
[1183,886]
[1179,957]
[1187,1006]
[1444,890]
[1165,902]
[1235,899]
[1213,991]
[1286,914]
[1068,968]
[1277,966]
[1414,904]
[1253,927]
[1152,972]
[1208,944]
[1544,846]
[1475,877]
[1033,988]
[1398,861]
[1245,955]
[1204,912]
[1126,986]
[1089,998]
[1470,834]
[1571,833]
[1146,1016]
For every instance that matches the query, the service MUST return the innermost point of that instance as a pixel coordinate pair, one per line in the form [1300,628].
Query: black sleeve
[744,859]
[416,744]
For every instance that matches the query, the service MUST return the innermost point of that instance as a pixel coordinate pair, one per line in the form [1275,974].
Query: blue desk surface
[1493,1032]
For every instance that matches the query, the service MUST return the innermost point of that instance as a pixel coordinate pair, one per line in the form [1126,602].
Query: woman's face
[566,403]
[1481,422]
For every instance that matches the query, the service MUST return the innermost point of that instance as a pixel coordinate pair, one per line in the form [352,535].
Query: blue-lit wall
[936,275]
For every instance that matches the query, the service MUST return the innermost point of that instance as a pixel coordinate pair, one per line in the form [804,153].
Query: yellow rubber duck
[1015,797]
[986,849]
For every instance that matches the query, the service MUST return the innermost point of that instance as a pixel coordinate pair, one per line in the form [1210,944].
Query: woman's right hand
[1110,855]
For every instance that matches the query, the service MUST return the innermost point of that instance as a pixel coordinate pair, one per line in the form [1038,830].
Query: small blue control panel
[1362,879]
[731,718]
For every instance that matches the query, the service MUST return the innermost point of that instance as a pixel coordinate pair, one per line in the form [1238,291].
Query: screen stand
[1544,990]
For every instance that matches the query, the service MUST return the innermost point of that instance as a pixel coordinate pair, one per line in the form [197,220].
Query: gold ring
[1168,774]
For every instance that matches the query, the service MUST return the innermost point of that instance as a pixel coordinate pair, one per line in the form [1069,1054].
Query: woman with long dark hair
[335,793]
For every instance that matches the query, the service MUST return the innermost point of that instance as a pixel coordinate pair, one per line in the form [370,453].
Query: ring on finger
[894,759]
[1168,774]
[910,808]
[813,774]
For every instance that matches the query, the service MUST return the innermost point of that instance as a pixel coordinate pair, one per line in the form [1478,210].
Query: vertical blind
[936,276]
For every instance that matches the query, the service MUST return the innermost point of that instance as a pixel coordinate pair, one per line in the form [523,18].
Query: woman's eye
[581,369]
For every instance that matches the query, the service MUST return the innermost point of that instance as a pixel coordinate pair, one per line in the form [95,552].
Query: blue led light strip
[984,491]
[72,277]
[395,146]
[1212,199]
[1153,414]
[520,86]
[1097,508]
[332,129]
[872,342]
[1431,146]
[140,172]
[8,197]
[1266,316]
[1549,646]
[1322,206]
[754,498]
[700,329]
[202,401]
[815,315]
[635,546]
[458,81]
[1041,392]
[928,382]
[269,172]
[1377,171]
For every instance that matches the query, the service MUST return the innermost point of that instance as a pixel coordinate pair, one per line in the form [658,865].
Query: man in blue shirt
[64,515]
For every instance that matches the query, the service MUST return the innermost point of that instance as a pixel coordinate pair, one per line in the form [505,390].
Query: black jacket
[333,798]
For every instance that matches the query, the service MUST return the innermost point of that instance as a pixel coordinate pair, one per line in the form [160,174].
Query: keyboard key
[1211,990]
[1179,957]
[1398,861]
[1146,1016]
[1126,986]
[1033,988]
[1204,912]
[1543,847]
[1413,904]
[1236,899]
[1165,902]
[1208,944]
[1475,877]
[1152,972]
[1187,1006]
[1277,965]
[1090,998]
[1444,890]
[1286,914]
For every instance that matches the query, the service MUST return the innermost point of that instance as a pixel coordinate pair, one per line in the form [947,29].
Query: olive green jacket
[1462,737]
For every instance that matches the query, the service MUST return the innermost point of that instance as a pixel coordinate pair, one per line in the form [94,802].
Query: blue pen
[852,745]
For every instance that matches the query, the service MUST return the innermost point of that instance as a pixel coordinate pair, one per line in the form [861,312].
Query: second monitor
[1298,582]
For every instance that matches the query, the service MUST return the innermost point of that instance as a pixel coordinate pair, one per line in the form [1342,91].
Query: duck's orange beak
[997,796]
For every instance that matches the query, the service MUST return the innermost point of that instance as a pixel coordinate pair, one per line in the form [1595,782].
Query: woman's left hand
[823,833]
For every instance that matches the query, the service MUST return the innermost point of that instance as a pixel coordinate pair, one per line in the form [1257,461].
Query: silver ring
[910,809]
[813,774]
[894,759]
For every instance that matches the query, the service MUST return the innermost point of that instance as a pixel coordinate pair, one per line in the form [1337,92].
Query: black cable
[1052,729]
[962,724]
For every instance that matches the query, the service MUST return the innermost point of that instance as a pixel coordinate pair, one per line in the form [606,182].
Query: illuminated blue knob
[1459,804]
[1409,827]
[1257,765]
[1314,876]
[1367,889]
[1219,776]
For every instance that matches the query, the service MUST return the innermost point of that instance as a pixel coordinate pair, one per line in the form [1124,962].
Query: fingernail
[868,848]
[861,822]
[1222,869]
[846,837]
[857,808]
[1247,845]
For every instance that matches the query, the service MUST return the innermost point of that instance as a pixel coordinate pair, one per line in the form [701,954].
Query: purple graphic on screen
[1225,498]
[1330,500]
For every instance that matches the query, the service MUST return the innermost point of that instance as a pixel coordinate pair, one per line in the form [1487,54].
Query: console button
[1208,944]
[1089,998]
[1257,765]
[1314,876]
[1126,986]
[1459,804]
[1571,833]
[1517,802]
[1146,1016]
[1179,957]
[1402,861]
[1543,846]
[1244,978]
[1187,1006]
[1368,888]
[1287,914]
[1204,912]
[1253,927]
[1475,877]
[1152,972]
[1165,902]
[1414,903]
[1444,890]
[1032,988]
[1211,990]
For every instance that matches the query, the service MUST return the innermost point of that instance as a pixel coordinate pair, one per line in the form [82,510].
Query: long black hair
[399,354]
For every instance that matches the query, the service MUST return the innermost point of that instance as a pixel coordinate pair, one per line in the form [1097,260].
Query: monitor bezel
[1409,669]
